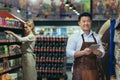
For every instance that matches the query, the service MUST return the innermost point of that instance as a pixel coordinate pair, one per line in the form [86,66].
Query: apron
[85,67]
[28,65]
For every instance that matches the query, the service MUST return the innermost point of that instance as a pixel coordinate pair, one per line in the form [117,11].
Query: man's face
[85,23]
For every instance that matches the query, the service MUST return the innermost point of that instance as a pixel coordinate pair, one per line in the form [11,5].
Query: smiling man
[78,47]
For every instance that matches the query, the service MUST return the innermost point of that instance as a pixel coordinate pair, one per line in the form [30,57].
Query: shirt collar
[83,33]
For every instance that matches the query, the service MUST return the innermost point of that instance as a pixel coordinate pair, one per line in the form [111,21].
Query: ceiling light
[18,11]
[74,9]
[71,6]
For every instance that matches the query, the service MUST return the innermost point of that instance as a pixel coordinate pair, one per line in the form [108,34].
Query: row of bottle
[50,65]
[59,49]
[50,55]
[6,50]
[51,41]
[50,76]
[50,44]
[44,67]
[10,22]
[9,63]
[50,51]
[51,38]
[51,69]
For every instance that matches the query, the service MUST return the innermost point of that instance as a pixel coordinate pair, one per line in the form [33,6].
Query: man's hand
[97,52]
[87,51]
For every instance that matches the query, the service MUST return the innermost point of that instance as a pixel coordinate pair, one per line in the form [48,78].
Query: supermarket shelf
[51,57]
[8,42]
[10,59]
[3,41]
[9,55]
[9,69]
[10,27]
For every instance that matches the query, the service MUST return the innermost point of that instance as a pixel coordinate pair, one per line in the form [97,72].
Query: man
[78,47]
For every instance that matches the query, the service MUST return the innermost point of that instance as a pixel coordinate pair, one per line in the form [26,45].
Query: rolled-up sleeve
[70,48]
[27,38]
[101,47]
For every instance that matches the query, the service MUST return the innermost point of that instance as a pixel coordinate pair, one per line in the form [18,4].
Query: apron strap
[94,38]
[83,38]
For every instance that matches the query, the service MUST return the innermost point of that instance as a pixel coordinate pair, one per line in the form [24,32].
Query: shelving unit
[10,54]
[9,69]
[51,57]
[117,53]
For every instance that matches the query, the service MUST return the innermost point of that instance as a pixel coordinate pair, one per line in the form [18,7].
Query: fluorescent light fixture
[67,3]
[71,6]
[74,9]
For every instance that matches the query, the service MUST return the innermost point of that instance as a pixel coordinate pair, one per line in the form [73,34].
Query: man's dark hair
[84,14]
